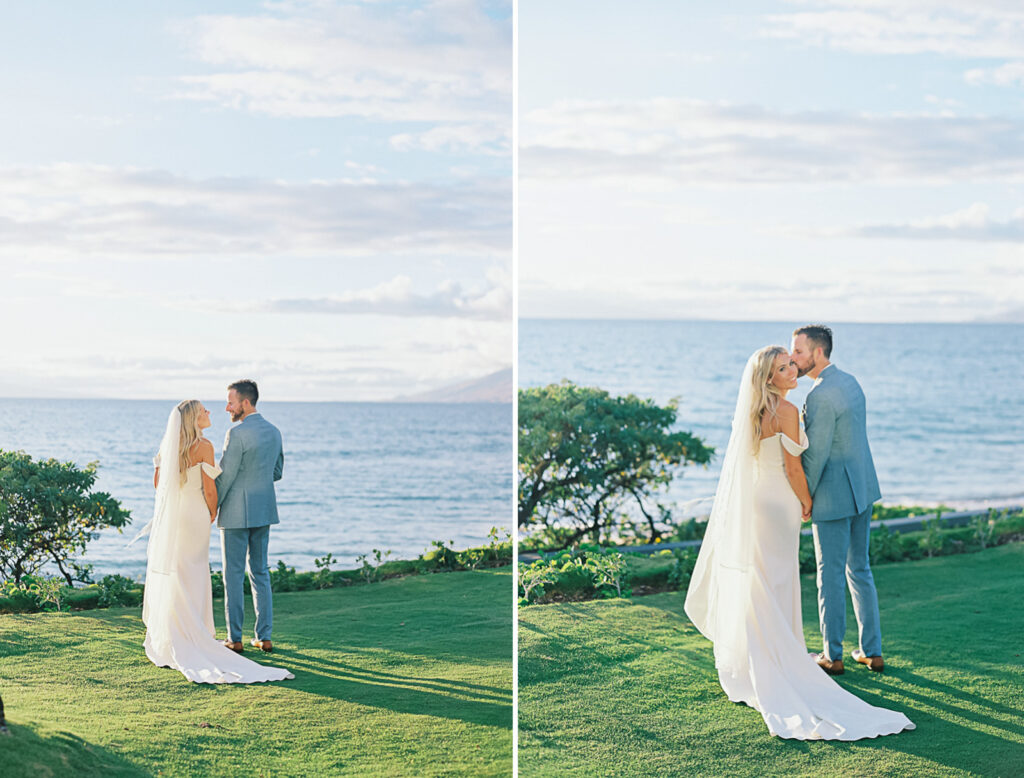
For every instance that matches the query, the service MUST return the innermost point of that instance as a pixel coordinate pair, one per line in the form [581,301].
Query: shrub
[533,578]
[443,557]
[585,571]
[116,590]
[609,573]
[585,457]
[322,577]
[885,545]
[34,593]
[217,582]
[933,541]
[984,528]
[807,559]
[684,560]
[371,572]
[48,514]
[499,546]
[471,558]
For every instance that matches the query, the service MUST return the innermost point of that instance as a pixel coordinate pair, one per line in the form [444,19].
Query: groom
[252,460]
[842,481]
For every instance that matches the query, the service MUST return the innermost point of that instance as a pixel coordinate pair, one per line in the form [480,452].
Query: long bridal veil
[162,552]
[719,592]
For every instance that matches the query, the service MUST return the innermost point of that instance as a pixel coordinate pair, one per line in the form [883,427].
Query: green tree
[48,513]
[585,458]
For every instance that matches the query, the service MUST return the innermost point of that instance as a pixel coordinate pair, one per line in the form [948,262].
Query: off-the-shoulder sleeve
[156,460]
[211,470]
[794,448]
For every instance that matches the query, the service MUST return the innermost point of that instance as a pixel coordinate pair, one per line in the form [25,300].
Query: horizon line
[311,402]
[971,322]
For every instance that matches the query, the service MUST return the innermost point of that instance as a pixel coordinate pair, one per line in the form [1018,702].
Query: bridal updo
[766,397]
[190,432]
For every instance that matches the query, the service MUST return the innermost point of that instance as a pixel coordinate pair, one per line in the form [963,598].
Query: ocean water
[357,476]
[945,401]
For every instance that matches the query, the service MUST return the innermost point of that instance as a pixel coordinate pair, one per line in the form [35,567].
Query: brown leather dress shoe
[829,666]
[874,662]
[236,647]
[263,645]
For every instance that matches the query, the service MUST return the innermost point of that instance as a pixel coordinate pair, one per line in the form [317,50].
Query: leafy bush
[586,458]
[322,577]
[984,528]
[471,558]
[48,514]
[371,572]
[882,512]
[933,541]
[578,573]
[885,545]
[608,570]
[443,557]
[217,582]
[117,590]
[34,593]
[499,546]
[533,578]
[684,560]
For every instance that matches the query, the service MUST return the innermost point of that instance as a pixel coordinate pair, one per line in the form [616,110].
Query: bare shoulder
[788,411]
[202,451]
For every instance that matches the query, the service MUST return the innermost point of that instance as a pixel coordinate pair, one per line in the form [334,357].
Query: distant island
[493,388]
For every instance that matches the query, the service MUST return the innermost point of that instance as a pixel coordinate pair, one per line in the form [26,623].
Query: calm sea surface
[357,476]
[945,401]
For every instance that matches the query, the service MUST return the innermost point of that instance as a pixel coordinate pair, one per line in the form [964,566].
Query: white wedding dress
[745,597]
[782,681]
[177,604]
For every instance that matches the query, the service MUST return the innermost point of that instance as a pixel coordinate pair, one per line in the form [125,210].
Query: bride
[177,606]
[745,592]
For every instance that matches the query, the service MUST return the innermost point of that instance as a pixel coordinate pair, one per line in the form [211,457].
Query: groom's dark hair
[818,335]
[246,390]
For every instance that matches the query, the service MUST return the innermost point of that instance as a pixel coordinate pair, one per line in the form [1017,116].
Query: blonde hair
[766,396]
[190,432]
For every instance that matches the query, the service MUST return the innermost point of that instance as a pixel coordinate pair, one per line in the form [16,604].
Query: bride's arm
[790,422]
[209,486]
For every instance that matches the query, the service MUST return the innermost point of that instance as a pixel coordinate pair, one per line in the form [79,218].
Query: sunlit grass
[405,677]
[614,688]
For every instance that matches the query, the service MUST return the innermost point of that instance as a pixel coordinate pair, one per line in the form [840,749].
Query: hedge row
[669,570]
[33,594]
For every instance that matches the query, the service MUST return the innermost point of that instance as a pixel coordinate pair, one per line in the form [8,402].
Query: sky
[316,194]
[820,160]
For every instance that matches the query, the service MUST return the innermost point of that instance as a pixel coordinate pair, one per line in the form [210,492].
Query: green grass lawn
[410,676]
[619,688]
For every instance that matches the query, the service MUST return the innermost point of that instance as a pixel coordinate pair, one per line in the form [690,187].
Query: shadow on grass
[27,754]
[473,703]
[480,691]
[318,675]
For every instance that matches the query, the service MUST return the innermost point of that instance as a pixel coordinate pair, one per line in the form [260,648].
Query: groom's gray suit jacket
[252,460]
[840,472]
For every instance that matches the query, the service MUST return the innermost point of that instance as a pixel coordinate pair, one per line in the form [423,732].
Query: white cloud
[981,28]
[74,210]
[1010,74]
[456,139]
[690,141]
[445,61]
[972,224]
[397,297]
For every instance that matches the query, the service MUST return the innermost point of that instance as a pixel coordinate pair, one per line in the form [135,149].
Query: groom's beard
[802,371]
[235,416]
